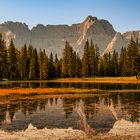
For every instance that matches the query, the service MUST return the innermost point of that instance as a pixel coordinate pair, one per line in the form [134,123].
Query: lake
[100,112]
[90,85]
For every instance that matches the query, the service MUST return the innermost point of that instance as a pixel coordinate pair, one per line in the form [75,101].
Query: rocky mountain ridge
[53,37]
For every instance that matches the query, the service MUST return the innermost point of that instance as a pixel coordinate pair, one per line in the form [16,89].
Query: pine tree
[34,66]
[85,61]
[65,60]
[114,64]
[132,53]
[40,60]
[29,57]
[13,73]
[71,62]
[78,66]
[57,67]
[45,66]
[123,70]
[91,60]
[51,66]
[30,52]
[23,63]
[106,64]
[97,58]
[3,59]
[101,68]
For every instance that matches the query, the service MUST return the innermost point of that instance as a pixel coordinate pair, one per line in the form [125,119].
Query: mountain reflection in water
[101,112]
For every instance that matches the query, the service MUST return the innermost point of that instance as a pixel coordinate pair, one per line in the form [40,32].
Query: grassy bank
[100,80]
[47,91]
[94,80]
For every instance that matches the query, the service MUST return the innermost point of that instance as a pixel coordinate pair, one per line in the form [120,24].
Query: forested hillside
[28,63]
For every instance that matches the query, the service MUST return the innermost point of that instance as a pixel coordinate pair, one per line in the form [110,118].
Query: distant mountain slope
[53,37]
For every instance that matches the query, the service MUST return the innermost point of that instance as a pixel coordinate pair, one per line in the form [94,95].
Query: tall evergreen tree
[132,54]
[3,59]
[85,61]
[66,60]
[97,58]
[51,66]
[106,64]
[123,68]
[114,64]
[23,63]
[78,66]
[71,62]
[29,57]
[34,66]
[57,67]
[101,68]
[12,62]
[40,60]
[91,60]
[45,66]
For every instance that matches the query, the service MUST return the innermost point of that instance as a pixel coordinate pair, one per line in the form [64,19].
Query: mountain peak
[91,18]
[53,37]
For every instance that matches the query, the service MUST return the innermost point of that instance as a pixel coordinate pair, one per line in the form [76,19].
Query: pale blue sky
[123,14]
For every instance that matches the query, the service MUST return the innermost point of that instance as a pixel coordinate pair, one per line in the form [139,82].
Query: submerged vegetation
[28,63]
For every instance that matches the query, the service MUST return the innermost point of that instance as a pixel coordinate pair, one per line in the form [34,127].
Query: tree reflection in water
[98,113]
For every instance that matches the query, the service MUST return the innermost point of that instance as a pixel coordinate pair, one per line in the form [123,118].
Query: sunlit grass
[48,91]
[99,79]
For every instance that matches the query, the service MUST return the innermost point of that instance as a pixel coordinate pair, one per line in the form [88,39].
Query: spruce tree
[57,67]
[34,66]
[123,68]
[29,57]
[71,62]
[12,62]
[101,68]
[51,66]
[3,59]
[40,60]
[132,53]
[97,58]
[91,60]
[78,66]
[114,64]
[45,66]
[106,64]
[23,63]
[65,60]
[85,61]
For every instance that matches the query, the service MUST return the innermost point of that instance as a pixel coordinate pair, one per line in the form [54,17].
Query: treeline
[30,64]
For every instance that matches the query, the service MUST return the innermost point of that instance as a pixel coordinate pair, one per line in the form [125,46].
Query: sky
[124,15]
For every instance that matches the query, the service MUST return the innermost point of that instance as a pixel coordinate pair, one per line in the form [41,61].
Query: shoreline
[81,80]
[47,91]
[8,95]
[56,134]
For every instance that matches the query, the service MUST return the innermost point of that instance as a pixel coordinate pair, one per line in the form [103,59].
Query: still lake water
[104,86]
[100,111]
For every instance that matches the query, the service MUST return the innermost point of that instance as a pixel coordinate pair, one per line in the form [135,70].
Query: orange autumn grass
[48,91]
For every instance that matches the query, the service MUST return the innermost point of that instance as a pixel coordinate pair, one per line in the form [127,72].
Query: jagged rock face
[17,31]
[100,31]
[116,44]
[53,37]
[133,34]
